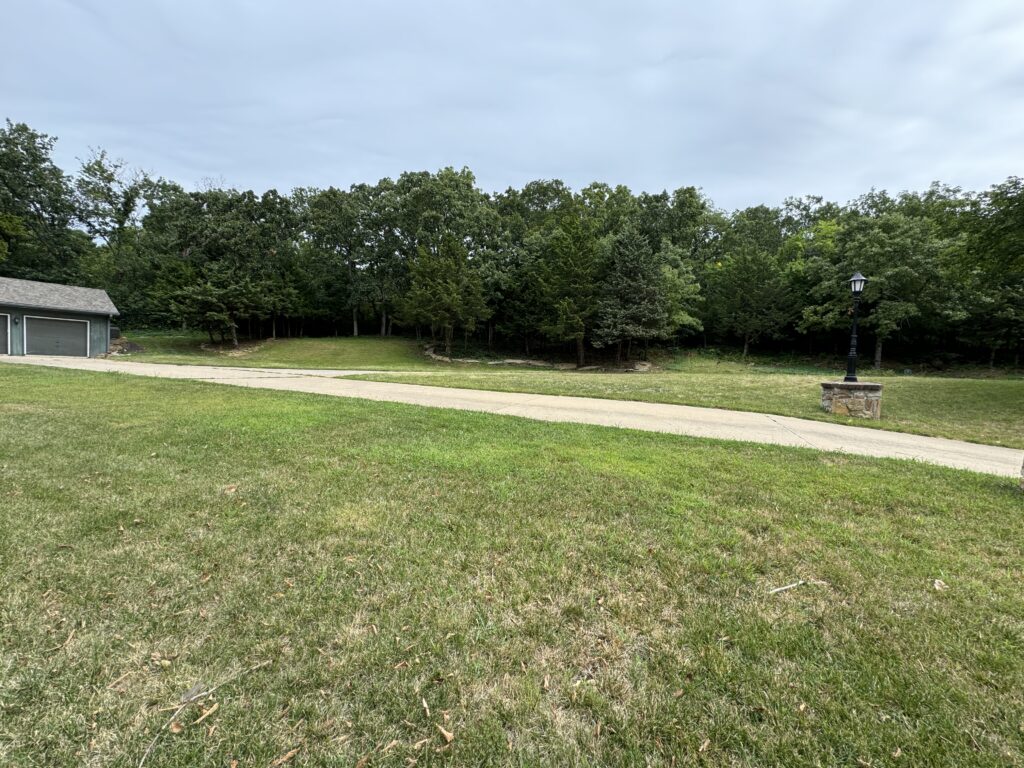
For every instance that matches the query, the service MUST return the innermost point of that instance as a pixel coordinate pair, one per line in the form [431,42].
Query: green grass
[979,410]
[984,410]
[364,352]
[554,594]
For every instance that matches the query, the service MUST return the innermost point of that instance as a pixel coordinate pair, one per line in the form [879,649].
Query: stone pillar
[861,399]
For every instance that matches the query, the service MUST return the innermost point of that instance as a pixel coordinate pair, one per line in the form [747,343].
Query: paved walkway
[651,417]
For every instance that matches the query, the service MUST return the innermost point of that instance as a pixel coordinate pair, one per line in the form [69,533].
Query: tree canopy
[597,271]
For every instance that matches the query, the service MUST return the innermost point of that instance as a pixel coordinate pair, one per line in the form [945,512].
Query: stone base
[862,399]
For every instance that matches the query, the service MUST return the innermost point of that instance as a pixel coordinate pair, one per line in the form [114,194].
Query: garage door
[49,336]
[5,337]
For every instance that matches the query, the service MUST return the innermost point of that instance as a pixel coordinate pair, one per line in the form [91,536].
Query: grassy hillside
[365,352]
[464,589]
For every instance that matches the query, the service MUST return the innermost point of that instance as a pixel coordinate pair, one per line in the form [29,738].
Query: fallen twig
[207,713]
[286,757]
[191,700]
[794,585]
[58,647]
[122,677]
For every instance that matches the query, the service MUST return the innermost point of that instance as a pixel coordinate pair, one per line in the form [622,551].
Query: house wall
[99,327]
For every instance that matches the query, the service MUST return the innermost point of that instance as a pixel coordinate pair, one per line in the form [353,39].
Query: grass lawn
[536,593]
[979,410]
[364,352]
[983,410]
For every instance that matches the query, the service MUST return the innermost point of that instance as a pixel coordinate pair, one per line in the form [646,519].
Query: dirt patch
[122,346]
[244,348]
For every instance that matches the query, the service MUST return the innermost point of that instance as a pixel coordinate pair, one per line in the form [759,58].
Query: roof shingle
[68,298]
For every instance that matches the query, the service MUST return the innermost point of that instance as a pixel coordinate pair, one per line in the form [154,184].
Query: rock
[860,399]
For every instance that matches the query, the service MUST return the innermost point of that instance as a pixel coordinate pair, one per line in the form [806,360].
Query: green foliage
[644,296]
[749,286]
[553,268]
[446,290]
[570,263]
[37,209]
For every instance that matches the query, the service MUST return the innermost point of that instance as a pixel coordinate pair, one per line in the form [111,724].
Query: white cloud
[752,102]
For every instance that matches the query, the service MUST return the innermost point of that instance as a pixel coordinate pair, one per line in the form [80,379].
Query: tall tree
[37,210]
[636,299]
[899,255]
[570,279]
[446,291]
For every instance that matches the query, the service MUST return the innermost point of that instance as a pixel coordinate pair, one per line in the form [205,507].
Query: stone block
[860,399]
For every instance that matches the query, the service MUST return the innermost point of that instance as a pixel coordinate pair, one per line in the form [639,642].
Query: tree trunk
[579,352]
[878,354]
[490,336]
[618,352]
[526,343]
[419,332]
[992,358]
[355,321]
[746,346]
[448,333]
[210,331]
[391,325]
[273,327]
[383,322]
[629,349]
[234,335]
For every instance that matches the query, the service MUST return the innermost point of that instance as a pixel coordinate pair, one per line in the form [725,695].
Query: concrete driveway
[651,417]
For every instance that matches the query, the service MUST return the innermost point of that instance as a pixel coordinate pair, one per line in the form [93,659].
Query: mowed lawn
[979,410]
[427,587]
[364,352]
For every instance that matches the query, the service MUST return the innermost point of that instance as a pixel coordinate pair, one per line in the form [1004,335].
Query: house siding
[99,327]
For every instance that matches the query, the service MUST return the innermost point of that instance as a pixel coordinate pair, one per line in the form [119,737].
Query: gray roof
[68,298]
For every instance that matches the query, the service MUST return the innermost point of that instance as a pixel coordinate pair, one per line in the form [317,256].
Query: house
[53,319]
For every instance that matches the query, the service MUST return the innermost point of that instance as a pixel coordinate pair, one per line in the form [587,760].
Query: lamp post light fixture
[849,397]
[857,283]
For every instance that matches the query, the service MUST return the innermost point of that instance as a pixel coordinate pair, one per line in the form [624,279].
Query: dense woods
[599,270]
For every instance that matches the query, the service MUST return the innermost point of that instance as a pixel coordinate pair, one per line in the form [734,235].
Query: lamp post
[857,283]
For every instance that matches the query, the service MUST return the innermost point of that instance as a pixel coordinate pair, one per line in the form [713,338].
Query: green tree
[570,268]
[636,302]
[37,210]
[991,267]
[900,257]
[446,291]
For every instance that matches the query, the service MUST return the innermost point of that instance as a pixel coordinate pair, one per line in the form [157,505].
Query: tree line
[599,270]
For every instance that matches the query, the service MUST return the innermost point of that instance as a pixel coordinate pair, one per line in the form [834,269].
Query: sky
[752,101]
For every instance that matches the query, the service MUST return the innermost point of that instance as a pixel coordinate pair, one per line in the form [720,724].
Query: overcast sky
[752,101]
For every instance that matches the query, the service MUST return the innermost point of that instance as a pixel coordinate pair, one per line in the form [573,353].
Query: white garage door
[52,336]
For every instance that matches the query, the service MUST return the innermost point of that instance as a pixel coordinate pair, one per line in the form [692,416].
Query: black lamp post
[857,283]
